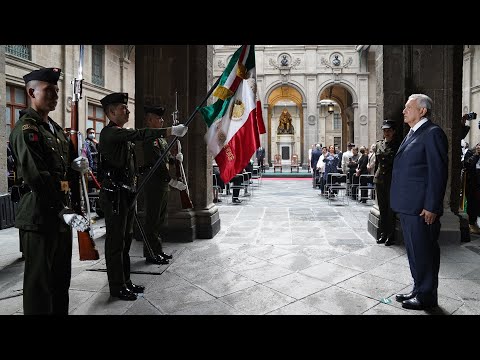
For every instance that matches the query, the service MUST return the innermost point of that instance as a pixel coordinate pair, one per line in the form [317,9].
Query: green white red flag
[235,120]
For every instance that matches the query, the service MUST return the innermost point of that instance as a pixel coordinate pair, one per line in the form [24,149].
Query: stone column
[3,130]
[362,89]
[200,166]
[354,130]
[160,71]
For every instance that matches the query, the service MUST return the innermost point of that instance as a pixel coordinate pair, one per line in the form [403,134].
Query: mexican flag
[235,120]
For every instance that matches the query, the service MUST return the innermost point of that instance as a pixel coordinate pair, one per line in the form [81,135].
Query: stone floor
[283,251]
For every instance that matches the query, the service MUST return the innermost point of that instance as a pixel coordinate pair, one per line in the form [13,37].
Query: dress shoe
[124,294]
[416,304]
[217,200]
[236,201]
[382,239]
[403,297]
[157,259]
[165,256]
[389,241]
[136,289]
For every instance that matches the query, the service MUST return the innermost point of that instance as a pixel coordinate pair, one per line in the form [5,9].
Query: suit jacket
[316,153]
[260,153]
[420,172]
[362,164]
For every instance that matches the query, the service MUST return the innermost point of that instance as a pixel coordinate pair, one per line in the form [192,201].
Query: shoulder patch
[29,127]
[32,137]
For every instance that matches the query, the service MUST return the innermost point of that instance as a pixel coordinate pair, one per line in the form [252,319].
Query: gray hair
[423,101]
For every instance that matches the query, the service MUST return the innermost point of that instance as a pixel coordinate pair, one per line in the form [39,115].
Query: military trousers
[156,201]
[119,234]
[387,216]
[48,267]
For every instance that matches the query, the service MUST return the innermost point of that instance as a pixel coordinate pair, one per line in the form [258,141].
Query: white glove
[179,157]
[80,164]
[74,220]
[177,185]
[179,130]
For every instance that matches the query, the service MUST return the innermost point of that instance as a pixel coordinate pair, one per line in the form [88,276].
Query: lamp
[330,108]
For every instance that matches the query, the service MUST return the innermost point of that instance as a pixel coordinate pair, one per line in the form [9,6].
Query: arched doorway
[285,124]
[337,126]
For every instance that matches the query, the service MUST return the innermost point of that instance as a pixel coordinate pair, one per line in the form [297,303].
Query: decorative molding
[325,63]
[311,119]
[363,120]
[221,64]
[336,61]
[284,62]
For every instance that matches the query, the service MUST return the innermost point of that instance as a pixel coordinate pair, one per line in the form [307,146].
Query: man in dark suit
[260,154]
[316,153]
[419,180]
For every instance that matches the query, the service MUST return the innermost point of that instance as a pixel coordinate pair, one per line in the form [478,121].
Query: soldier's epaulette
[29,127]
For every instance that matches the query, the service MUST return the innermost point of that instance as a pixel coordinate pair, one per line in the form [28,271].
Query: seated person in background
[237,181]
[216,172]
[249,169]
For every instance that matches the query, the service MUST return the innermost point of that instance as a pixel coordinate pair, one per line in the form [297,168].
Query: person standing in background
[385,153]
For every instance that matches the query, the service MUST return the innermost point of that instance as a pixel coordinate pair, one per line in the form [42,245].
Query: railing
[21,51]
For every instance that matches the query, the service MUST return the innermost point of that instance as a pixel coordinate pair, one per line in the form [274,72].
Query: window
[16,101]
[337,142]
[96,118]
[21,51]
[337,122]
[98,54]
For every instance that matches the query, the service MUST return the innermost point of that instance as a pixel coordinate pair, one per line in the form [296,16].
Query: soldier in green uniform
[156,190]
[44,167]
[119,183]
[386,150]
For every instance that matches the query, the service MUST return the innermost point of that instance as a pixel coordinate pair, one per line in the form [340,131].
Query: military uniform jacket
[116,148]
[153,149]
[384,156]
[43,160]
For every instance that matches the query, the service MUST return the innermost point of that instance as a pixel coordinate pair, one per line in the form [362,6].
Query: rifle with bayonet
[86,245]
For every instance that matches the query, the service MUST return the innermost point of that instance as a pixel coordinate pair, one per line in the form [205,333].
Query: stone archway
[285,97]
[345,99]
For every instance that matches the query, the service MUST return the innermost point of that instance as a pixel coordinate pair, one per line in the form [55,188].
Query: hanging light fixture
[331,108]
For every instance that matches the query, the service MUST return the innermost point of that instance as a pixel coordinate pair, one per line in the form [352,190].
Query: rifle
[86,245]
[180,171]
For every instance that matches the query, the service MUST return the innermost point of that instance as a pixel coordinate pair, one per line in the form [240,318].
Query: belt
[63,186]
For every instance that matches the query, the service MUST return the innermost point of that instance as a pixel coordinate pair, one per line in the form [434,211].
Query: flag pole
[159,161]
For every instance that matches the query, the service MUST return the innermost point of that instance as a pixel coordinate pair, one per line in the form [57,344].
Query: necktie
[410,133]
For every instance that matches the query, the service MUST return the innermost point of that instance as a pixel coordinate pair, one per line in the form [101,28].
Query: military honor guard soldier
[118,191]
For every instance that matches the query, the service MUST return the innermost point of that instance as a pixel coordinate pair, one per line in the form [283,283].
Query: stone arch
[331,90]
[275,93]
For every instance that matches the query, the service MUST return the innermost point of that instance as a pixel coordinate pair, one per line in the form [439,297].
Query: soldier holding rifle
[43,157]
[119,187]
[157,189]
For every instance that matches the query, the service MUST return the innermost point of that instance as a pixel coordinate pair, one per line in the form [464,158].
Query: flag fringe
[222,93]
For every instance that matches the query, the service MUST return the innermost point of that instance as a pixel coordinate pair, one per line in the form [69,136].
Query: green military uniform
[156,194]
[383,177]
[43,161]
[116,148]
